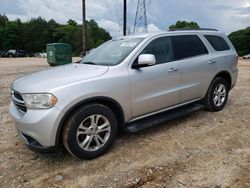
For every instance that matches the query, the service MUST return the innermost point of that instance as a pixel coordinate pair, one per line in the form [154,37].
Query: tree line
[241,41]
[33,35]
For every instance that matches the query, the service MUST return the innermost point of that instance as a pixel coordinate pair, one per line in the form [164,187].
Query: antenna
[141,17]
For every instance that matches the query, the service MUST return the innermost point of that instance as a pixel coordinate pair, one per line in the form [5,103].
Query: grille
[18,101]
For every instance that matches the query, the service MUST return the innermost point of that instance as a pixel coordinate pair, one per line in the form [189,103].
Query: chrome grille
[18,101]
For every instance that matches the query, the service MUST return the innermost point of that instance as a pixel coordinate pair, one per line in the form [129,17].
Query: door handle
[212,61]
[173,70]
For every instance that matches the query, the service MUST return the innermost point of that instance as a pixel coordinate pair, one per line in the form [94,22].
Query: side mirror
[145,60]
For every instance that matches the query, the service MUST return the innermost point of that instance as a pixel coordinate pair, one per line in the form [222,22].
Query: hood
[52,78]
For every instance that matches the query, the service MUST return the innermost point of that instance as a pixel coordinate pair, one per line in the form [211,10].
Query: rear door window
[217,42]
[186,46]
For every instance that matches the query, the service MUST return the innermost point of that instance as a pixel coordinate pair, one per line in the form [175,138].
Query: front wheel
[90,131]
[217,94]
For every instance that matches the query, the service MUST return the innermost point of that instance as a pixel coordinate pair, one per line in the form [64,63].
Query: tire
[87,127]
[219,87]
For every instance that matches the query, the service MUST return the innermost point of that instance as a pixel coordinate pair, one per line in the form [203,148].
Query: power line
[111,13]
[149,2]
[141,22]
[130,18]
[112,7]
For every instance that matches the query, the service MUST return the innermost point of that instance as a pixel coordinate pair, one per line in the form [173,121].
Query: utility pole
[84,34]
[124,17]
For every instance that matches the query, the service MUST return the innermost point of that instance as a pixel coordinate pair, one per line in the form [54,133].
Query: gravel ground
[203,149]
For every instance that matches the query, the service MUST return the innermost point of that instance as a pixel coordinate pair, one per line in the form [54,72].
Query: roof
[145,35]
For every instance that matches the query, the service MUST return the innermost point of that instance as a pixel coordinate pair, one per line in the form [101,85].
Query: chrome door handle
[173,70]
[212,61]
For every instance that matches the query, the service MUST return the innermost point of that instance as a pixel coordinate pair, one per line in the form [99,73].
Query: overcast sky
[225,15]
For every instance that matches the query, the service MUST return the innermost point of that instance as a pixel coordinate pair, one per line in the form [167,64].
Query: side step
[161,118]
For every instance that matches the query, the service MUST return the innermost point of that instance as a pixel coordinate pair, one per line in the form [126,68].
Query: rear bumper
[234,77]
[37,128]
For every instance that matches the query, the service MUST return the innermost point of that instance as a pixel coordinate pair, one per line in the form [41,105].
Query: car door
[198,67]
[155,87]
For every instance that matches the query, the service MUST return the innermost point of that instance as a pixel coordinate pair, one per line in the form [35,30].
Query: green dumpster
[59,54]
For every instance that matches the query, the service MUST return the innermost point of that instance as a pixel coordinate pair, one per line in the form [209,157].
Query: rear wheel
[217,94]
[90,131]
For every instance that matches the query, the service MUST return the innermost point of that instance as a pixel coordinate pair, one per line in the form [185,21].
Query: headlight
[39,101]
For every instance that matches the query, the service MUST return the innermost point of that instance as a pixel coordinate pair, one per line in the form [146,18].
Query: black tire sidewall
[78,117]
[215,83]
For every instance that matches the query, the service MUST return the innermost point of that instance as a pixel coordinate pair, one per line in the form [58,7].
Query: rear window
[217,42]
[186,46]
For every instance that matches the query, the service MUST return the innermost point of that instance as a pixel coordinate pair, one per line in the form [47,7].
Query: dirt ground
[202,149]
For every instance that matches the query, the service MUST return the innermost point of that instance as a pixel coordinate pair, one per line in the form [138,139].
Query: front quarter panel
[114,84]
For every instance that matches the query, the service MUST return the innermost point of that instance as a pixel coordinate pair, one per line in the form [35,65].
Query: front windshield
[112,52]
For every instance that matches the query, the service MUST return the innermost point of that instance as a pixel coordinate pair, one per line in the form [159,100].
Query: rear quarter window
[186,46]
[217,42]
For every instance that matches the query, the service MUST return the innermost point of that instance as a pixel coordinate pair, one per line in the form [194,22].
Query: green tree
[3,20]
[71,22]
[97,34]
[8,36]
[184,25]
[70,34]
[34,34]
[241,41]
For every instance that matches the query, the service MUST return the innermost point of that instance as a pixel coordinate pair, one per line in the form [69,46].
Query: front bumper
[37,128]
[34,145]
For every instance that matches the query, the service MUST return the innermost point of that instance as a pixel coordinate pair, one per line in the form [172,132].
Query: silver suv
[118,85]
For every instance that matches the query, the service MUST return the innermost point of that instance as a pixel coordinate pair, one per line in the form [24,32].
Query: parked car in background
[2,53]
[22,53]
[43,55]
[11,53]
[118,85]
[246,56]
[15,53]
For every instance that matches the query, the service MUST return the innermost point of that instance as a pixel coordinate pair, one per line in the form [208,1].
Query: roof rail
[189,29]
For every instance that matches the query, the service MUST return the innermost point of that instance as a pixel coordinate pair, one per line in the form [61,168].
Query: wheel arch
[106,101]
[225,75]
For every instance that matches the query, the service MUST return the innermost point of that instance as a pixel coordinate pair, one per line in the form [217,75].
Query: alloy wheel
[93,132]
[219,95]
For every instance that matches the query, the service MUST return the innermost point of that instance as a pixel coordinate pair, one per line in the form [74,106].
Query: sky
[224,15]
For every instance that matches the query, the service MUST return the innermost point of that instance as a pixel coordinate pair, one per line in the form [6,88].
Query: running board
[157,119]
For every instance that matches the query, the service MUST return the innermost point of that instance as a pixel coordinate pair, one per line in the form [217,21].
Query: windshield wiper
[89,63]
